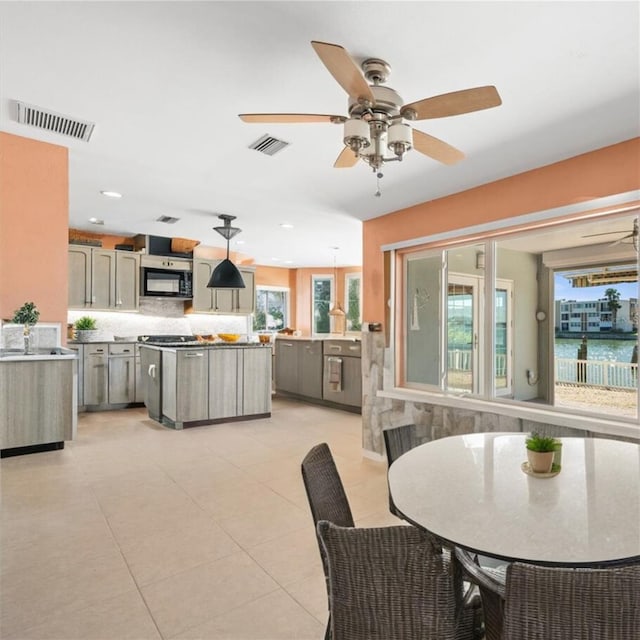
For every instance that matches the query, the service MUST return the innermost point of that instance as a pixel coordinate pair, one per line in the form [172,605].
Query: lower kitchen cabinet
[36,397]
[122,374]
[299,367]
[96,374]
[302,368]
[110,375]
[190,387]
[225,383]
[256,381]
[185,386]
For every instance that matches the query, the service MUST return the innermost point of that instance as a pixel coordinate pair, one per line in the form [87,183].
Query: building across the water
[595,316]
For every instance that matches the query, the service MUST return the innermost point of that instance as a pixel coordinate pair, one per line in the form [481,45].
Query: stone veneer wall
[432,421]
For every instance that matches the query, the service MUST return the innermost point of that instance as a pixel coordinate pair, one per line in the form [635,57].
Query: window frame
[395,386]
[347,277]
[314,278]
[274,288]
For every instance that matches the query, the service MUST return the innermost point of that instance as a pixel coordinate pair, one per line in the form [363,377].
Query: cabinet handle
[335,347]
[286,344]
[353,348]
[194,355]
[152,371]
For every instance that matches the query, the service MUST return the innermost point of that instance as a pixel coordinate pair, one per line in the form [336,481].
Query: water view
[608,350]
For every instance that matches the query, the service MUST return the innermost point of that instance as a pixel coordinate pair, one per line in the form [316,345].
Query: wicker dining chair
[544,603]
[327,498]
[392,583]
[491,584]
[397,441]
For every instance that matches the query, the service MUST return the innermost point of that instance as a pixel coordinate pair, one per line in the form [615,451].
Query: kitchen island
[193,385]
[37,400]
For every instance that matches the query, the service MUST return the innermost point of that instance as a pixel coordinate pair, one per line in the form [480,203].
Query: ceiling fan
[631,238]
[376,113]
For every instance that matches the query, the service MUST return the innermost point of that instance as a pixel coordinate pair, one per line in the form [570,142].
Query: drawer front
[122,349]
[342,348]
[95,349]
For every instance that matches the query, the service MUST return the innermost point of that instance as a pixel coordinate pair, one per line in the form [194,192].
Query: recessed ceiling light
[275,259]
[111,194]
[286,225]
[288,261]
[239,241]
[96,221]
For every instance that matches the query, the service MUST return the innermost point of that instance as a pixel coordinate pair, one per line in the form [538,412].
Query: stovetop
[168,339]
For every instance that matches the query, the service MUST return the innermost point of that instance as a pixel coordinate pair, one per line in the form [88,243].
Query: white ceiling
[164,82]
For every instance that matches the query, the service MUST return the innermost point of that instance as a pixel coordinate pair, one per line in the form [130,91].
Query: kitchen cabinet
[151,386]
[122,372]
[225,382]
[110,375]
[96,373]
[256,381]
[79,349]
[299,367]
[239,382]
[185,386]
[102,279]
[79,277]
[349,390]
[36,400]
[228,301]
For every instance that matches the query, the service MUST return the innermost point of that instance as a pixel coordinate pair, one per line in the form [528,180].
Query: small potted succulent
[540,452]
[27,315]
[86,329]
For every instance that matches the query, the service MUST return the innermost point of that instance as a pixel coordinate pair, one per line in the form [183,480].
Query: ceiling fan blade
[343,68]
[606,233]
[289,118]
[346,159]
[436,149]
[454,103]
[621,240]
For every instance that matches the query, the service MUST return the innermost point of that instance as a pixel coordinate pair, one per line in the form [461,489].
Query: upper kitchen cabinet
[102,279]
[228,301]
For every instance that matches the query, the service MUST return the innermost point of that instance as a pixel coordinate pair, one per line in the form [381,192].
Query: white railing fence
[601,373]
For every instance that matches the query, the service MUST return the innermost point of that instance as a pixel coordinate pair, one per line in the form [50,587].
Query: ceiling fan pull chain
[378,193]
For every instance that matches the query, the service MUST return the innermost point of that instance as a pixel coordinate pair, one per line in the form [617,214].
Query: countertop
[56,353]
[320,338]
[204,345]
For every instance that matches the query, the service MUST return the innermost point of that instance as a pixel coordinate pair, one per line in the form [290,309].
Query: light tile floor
[135,531]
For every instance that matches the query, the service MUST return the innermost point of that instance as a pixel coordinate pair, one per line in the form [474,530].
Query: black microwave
[166,283]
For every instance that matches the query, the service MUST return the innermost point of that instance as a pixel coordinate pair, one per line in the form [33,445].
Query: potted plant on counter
[27,315]
[86,329]
[540,452]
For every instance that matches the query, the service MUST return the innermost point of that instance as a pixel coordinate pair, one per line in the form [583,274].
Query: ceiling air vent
[51,121]
[167,219]
[269,145]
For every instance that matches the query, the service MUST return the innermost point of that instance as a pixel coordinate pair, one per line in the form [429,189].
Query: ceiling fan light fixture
[356,134]
[400,138]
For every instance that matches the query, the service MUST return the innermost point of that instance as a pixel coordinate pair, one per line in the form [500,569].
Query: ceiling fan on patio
[374,129]
[631,237]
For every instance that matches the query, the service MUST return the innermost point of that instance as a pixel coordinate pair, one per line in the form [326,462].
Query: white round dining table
[471,491]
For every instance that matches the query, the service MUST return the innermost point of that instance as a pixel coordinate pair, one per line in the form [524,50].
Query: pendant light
[226,274]
[336,311]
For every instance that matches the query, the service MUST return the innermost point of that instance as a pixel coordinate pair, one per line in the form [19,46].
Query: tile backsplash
[157,316]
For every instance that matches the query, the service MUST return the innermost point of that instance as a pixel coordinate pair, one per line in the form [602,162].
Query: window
[272,309]
[352,301]
[322,294]
[521,328]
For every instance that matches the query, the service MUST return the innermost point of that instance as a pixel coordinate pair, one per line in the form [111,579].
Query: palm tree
[613,303]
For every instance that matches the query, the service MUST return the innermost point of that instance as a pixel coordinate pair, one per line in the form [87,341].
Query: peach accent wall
[34,219]
[604,172]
